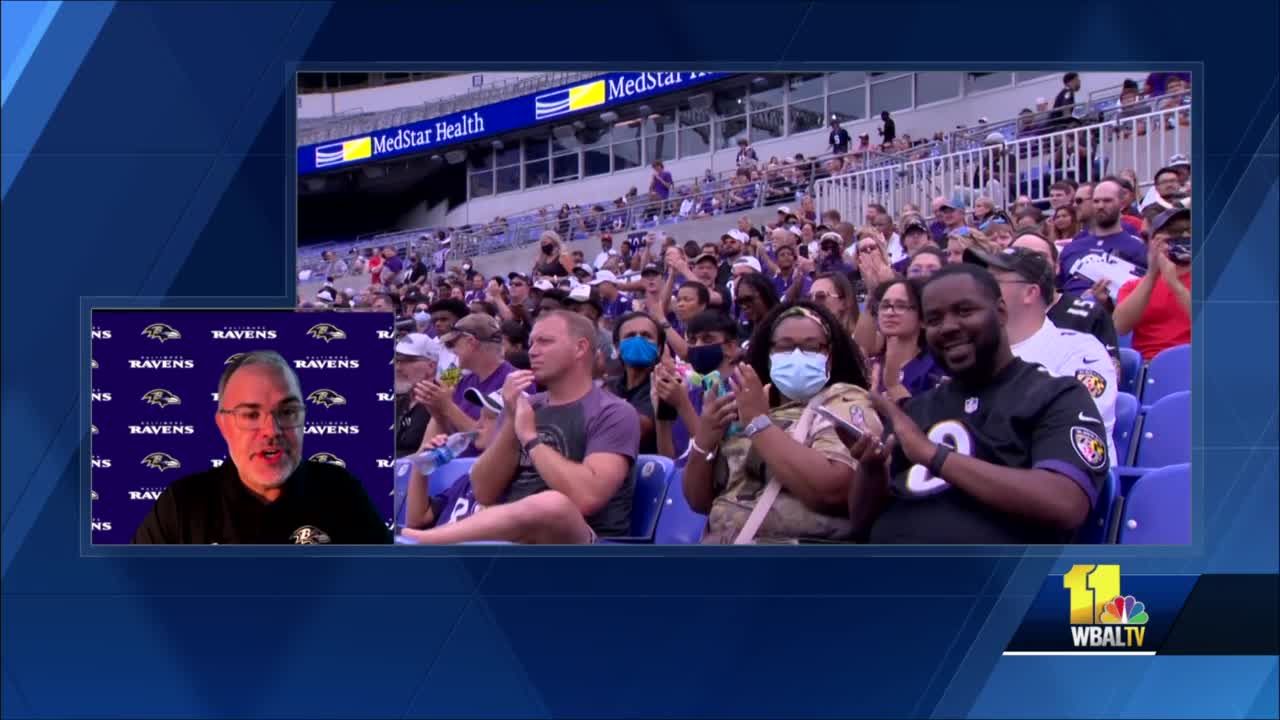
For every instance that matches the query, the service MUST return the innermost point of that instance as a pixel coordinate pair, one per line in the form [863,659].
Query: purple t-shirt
[393,264]
[782,283]
[456,503]
[474,296]
[1121,245]
[616,308]
[662,189]
[599,422]
[919,375]
[484,385]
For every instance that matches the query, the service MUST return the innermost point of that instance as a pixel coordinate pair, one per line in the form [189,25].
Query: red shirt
[1164,323]
[1132,223]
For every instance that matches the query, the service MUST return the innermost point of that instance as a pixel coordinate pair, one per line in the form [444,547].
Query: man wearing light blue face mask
[640,344]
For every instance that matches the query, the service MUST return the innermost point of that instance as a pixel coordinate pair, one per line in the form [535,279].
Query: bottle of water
[428,460]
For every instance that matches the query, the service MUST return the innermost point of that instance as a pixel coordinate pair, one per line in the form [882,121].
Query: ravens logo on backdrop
[326,397]
[161,461]
[161,332]
[161,397]
[330,458]
[326,332]
[233,358]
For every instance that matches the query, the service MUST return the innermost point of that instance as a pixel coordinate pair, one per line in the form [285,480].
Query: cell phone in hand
[852,429]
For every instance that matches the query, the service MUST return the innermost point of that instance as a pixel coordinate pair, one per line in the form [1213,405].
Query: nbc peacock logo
[1101,616]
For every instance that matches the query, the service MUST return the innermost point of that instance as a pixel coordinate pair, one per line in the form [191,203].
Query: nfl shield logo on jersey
[971,405]
[309,535]
[1090,446]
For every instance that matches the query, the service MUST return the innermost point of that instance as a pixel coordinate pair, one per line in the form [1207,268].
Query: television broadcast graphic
[157,416]
[705,226]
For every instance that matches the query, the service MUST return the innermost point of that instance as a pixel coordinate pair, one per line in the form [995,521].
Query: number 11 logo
[1092,587]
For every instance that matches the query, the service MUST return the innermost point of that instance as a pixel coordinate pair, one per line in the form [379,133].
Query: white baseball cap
[544,285]
[580,293]
[418,345]
[604,276]
[749,261]
[738,235]
[784,210]
[491,402]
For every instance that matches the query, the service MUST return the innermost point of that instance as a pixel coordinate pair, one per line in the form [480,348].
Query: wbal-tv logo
[162,428]
[1102,617]
[328,362]
[245,332]
[161,398]
[166,362]
[161,332]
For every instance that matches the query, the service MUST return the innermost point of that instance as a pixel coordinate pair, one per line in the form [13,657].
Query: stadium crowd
[941,378]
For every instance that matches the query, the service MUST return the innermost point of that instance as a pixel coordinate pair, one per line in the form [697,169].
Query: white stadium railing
[1025,166]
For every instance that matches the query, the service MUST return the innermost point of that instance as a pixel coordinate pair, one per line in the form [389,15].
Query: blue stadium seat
[1130,370]
[652,475]
[1163,438]
[679,524]
[1168,372]
[1125,340]
[1126,422]
[440,480]
[1157,511]
[1096,528]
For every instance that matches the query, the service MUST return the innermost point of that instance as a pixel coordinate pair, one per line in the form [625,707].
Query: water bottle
[428,460]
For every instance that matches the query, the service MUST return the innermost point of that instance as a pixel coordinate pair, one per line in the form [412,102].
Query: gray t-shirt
[599,422]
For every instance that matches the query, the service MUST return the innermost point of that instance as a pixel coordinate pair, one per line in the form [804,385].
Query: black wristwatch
[529,446]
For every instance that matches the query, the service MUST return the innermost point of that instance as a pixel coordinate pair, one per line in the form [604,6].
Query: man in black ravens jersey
[266,494]
[1068,311]
[1004,453]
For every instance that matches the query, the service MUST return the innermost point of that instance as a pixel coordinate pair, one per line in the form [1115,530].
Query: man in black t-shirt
[266,494]
[1004,453]
[838,140]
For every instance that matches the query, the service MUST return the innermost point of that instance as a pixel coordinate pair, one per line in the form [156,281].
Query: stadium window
[1022,77]
[310,82]
[728,101]
[481,184]
[508,179]
[767,125]
[805,85]
[659,122]
[695,140]
[689,117]
[660,147]
[626,145]
[847,106]
[481,158]
[893,94]
[768,92]
[509,154]
[976,82]
[352,79]
[595,161]
[537,172]
[564,168]
[536,148]
[562,145]
[806,115]
[729,130]
[846,80]
[932,87]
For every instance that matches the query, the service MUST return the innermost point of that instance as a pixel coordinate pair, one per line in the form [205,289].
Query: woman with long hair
[753,297]
[785,476]
[1064,225]
[834,292]
[905,368]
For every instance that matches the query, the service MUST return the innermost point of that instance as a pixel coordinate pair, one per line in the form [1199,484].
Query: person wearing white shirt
[1026,283]
[606,251]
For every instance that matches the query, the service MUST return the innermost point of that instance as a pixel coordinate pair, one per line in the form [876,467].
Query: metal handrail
[370,121]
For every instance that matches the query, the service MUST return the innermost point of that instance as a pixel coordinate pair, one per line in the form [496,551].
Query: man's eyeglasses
[251,418]
[822,297]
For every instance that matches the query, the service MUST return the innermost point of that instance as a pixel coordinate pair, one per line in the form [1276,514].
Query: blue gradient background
[146,147]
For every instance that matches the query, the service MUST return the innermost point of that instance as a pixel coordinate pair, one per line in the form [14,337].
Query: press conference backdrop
[155,379]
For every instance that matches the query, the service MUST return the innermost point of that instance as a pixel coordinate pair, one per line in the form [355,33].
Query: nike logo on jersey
[1090,361]
[1086,418]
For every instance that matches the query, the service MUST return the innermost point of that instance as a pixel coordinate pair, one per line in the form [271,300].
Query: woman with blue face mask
[639,340]
[787,476]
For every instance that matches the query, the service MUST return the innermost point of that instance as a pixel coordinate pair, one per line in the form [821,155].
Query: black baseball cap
[650,269]
[1027,264]
[705,257]
[915,226]
[1168,216]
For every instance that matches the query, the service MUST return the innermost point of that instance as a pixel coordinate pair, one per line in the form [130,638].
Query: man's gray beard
[402,386]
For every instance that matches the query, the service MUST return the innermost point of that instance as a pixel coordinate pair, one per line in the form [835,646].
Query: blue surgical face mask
[798,375]
[421,318]
[638,352]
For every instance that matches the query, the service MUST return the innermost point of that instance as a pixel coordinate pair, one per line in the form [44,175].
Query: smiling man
[266,494]
[1009,454]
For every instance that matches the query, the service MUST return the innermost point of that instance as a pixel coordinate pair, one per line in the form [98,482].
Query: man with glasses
[415,362]
[266,494]
[476,340]
[1026,285]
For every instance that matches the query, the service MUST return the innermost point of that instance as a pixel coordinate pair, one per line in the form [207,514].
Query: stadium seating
[652,476]
[1157,511]
[1130,370]
[1097,526]
[679,524]
[1163,438]
[1168,372]
[1125,340]
[1126,422]
[438,482]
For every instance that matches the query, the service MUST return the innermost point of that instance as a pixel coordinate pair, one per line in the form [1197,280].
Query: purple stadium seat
[1168,372]
[1096,528]
[1126,422]
[438,482]
[1166,432]
[1157,510]
[679,524]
